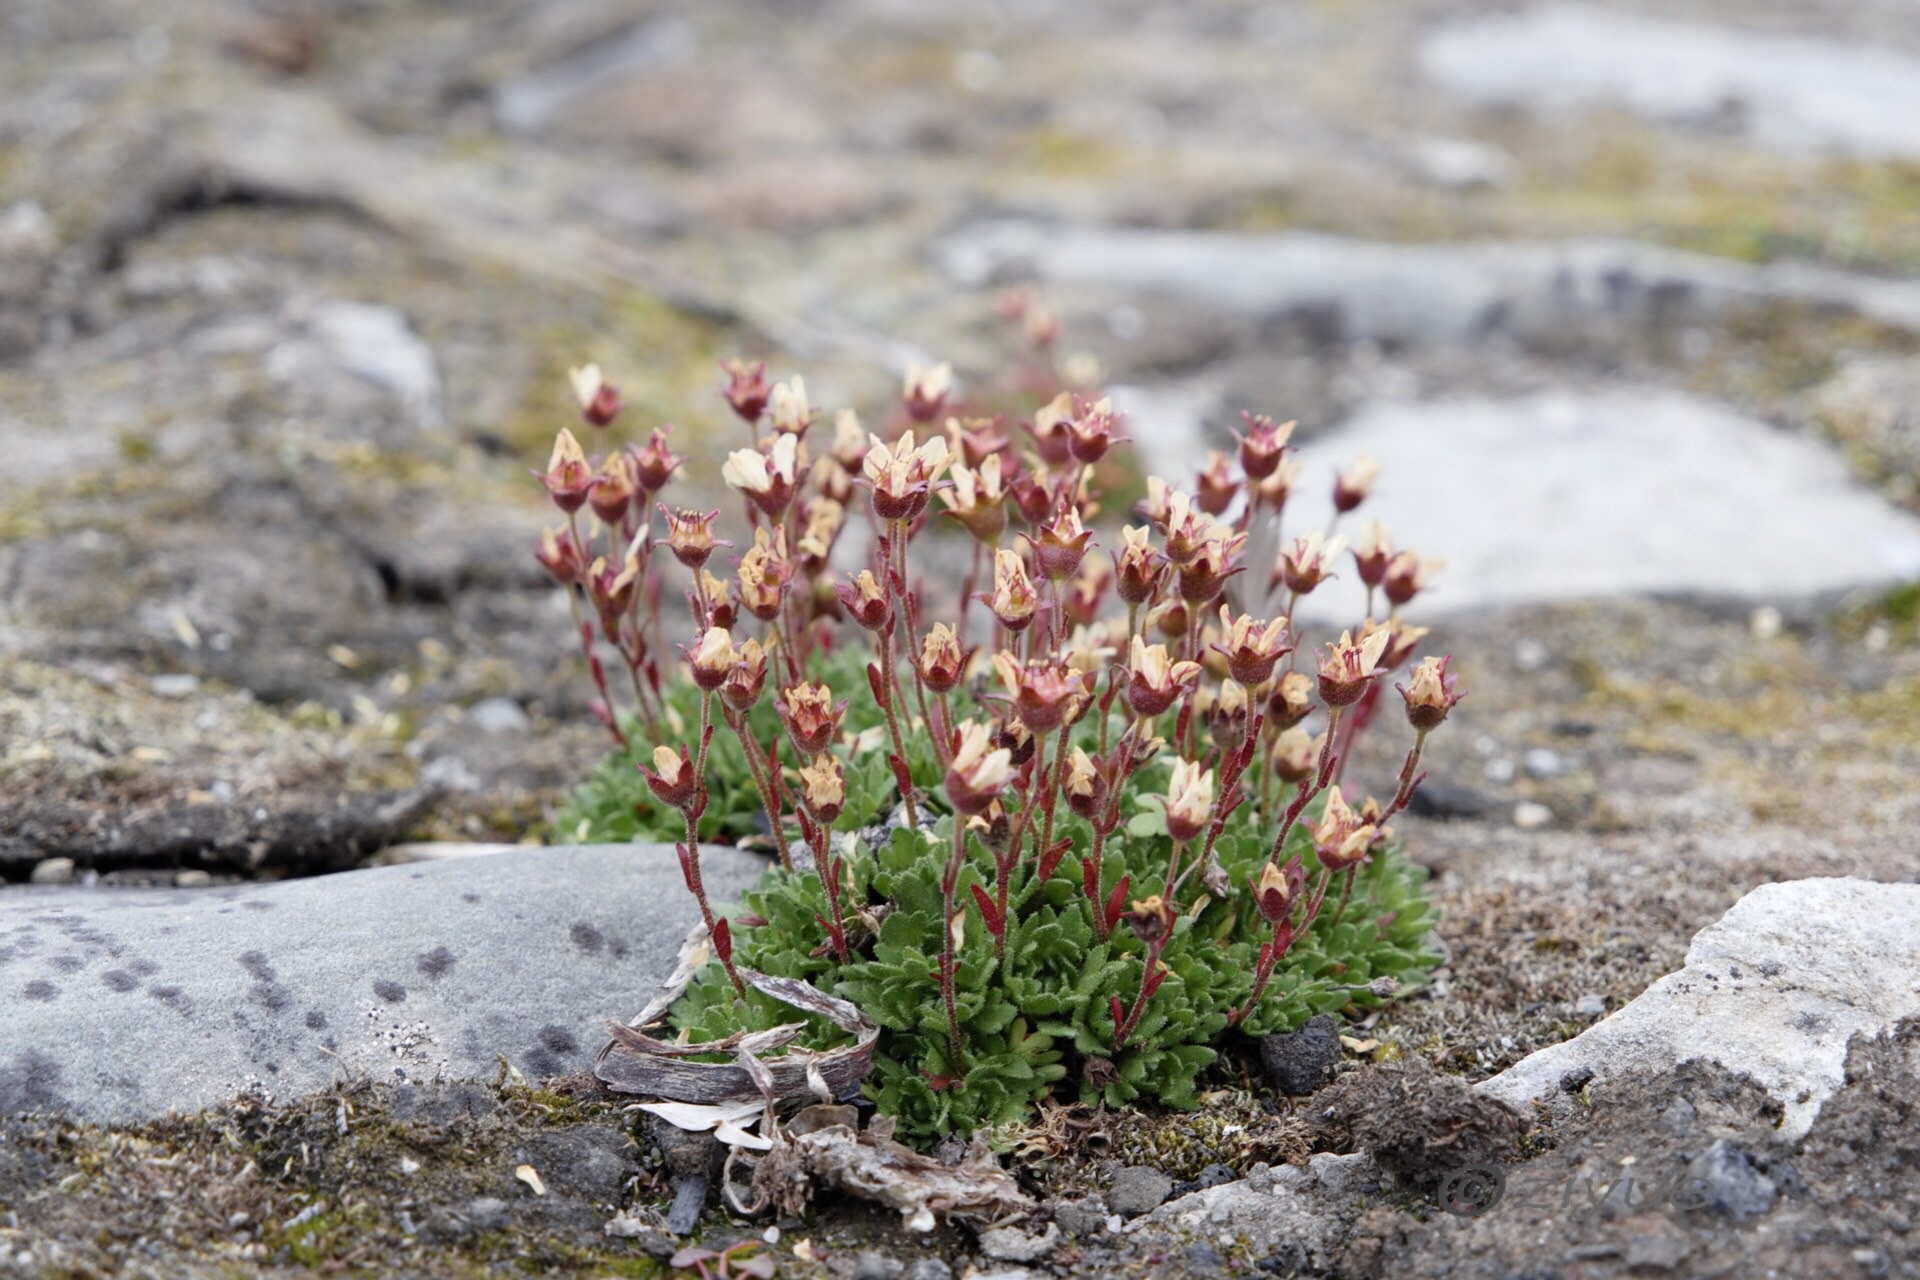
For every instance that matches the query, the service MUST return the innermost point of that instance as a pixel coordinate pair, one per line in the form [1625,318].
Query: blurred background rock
[1623,296]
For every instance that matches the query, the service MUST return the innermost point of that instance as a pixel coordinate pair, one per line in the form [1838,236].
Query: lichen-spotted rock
[123,1004]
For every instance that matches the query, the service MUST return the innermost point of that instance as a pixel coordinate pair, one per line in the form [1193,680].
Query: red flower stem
[758,766]
[1099,906]
[1310,787]
[700,894]
[1407,779]
[1140,1000]
[1346,892]
[949,882]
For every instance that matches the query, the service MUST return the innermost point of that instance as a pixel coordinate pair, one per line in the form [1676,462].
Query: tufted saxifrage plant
[1061,829]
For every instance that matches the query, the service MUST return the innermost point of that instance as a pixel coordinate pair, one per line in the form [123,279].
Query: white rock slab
[123,1004]
[1650,492]
[1787,92]
[1773,990]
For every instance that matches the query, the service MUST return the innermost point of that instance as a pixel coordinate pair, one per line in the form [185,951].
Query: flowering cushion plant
[1047,843]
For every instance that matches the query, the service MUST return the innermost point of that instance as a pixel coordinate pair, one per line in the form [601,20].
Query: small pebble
[176,685]
[1530,815]
[1137,1190]
[1543,762]
[497,715]
[192,879]
[873,1265]
[1766,622]
[1591,1006]
[1499,770]
[1530,655]
[928,1269]
[53,871]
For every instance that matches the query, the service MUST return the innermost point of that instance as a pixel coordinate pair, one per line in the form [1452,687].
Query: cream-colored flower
[788,408]
[1189,799]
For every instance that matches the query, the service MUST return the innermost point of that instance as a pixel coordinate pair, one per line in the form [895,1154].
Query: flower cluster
[1184,743]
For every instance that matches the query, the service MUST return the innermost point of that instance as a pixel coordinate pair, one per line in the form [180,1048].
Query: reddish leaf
[723,940]
[1119,1018]
[1051,858]
[875,683]
[988,912]
[1116,900]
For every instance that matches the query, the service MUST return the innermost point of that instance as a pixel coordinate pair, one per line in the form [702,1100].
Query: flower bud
[722,611]
[1189,800]
[1017,739]
[1151,920]
[1295,756]
[994,829]
[746,388]
[978,500]
[1188,528]
[1154,681]
[1252,647]
[1061,544]
[672,778]
[975,440]
[1043,691]
[1407,576]
[1430,693]
[1172,619]
[1274,890]
[713,660]
[902,476]
[614,490]
[747,678]
[788,409]
[560,556]
[1091,434]
[863,600]
[1051,436]
[1342,838]
[567,477]
[979,771]
[1372,552]
[1308,561]
[1086,786]
[654,463]
[1354,484]
[1226,715]
[1014,601]
[1291,700]
[1030,495]
[764,573]
[767,479]
[820,524]
[823,789]
[1204,577]
[925,391]
[611,587]
[811,718]
[599,399]
[1347,667]
[942,661]
[1217,486]
[1263,446]
[1139,569]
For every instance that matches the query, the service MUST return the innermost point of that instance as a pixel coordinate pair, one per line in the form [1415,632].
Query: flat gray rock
[123,1004]
[1787,92]
[1775,989]
[1348,289]
[1642,492]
